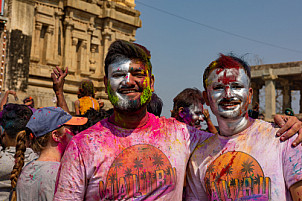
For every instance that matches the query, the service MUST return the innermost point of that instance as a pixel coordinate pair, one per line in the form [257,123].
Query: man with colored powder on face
[242,161]
[132,154]
[188,108]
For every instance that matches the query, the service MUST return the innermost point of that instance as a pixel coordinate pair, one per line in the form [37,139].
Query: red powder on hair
[226,62]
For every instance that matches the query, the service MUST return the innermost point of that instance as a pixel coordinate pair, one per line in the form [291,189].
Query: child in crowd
[48,133]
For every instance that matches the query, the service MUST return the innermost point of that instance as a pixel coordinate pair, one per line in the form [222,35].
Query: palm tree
[158,160]
[247,167]
[168,173]
[217,178]
[150,180]
[256,181]
[117,164]
[128,173]
[112,178]
[233,182]
[144,177]
[154,176]
[211,169]
[228,171]
[138,163]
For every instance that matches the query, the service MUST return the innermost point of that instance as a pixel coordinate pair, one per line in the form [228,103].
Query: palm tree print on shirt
[232,176]
[139,171]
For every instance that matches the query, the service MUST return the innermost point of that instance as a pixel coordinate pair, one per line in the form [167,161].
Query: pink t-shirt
[251,165]
[107,162]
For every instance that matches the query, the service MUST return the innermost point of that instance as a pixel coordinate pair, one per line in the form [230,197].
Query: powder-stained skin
[229,96]
[193,115]
[128,84]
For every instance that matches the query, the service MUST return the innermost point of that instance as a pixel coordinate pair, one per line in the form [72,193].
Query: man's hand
[12,93]
[290,125]
[206,114]
[58,79]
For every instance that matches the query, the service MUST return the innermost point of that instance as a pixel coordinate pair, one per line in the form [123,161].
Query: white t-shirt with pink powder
[107,162]
[251,165]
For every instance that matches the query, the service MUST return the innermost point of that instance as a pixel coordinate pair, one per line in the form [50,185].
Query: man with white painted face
[243,161]
[132,155]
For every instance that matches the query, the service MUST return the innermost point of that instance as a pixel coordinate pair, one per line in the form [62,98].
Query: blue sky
[181,46]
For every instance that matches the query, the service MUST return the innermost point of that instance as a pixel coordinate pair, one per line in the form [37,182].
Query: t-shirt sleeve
[194,188]
[71,181]
[292,163]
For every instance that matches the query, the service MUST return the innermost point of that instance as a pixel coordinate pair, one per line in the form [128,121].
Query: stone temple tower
[38,35]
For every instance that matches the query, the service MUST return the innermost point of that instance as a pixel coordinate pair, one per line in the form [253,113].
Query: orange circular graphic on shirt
[141,172]
[236,176]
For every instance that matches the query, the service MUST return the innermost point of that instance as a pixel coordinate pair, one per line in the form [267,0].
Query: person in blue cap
[48,133]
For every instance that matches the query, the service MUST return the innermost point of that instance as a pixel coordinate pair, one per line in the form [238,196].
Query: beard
[125,104]
[122,102]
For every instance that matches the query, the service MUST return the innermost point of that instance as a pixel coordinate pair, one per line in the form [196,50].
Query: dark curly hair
[186,98]
[121,49]
[15,118]
[86,89]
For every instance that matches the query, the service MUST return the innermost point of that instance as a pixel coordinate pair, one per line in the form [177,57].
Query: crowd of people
[131,152]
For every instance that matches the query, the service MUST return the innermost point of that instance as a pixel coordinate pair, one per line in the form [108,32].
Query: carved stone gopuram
[76,34]
[281,76]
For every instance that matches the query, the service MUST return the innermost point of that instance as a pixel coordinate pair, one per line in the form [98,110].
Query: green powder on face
[113,99]
[146,95]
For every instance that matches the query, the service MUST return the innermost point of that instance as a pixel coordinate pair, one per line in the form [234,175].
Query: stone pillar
[58,37]
[270,98]
[35,55]
[84,58]
[49,45]
[73,55]
[286,95]
[107,43]
[256,89]
[106,36]
[67,62]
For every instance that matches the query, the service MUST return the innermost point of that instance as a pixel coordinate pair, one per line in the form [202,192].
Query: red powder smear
[224,170]
[226,62]
[222,152]
[214,174]
[226,79]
